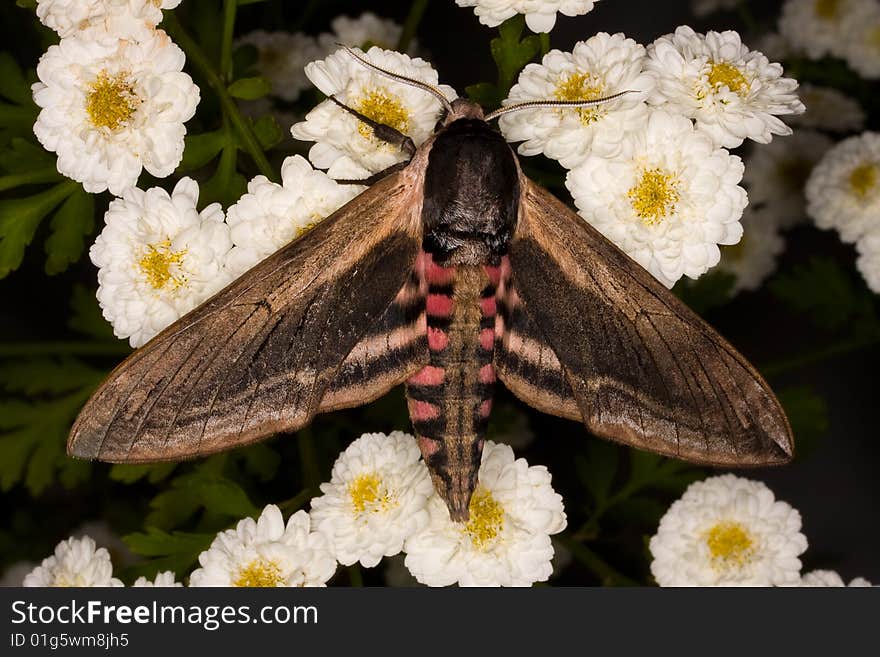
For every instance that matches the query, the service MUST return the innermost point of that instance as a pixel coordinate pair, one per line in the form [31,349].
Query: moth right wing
[586,333]
[261,356]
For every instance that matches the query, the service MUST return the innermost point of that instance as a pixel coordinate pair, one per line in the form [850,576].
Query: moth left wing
[640,367]
[262,355]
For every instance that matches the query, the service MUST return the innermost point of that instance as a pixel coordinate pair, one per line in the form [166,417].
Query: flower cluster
[282,56]
[843,193]
[650,169]
[378,502]
[344,145]
[158,257]
[841,28]
[112,93]
[730,531]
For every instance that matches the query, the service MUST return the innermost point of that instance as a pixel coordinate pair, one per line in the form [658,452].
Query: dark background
[836,489]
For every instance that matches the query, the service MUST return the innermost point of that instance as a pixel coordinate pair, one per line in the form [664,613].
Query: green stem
[229,9]
[598,566]
[545,42]
[411,24]
[200,60]
[48,174]
[838,349]
[355,577]
[22,349]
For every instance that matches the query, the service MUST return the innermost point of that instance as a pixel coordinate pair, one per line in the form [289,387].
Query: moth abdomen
[450,398]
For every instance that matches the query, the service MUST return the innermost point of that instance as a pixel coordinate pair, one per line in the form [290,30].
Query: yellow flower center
[730,544]
[157,263]
[654,197]
[828,10]
[383,108]
[486,519]
[581,86]
[368,494]
[111,101]
[259,572]
[863,179]
[727,75]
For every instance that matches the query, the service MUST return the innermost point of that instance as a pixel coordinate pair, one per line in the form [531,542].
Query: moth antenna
[534,104]
[424,86]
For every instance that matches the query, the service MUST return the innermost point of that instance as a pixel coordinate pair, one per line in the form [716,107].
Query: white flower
[861,44]
[728,531]
[776,174]
[732,93]
[868,262]
[816,26]
[111,109]
[540,14]
[281,59]
[119,19]
[753,259]
[375,499]
[506,541]
[670,203]
[828,109]
[826,578]
[364,32]
[165,579]
[76,562]
[843,191]
[265,552]
[271,215]
[600,66]
[158,258]
[706,7]
[346,146]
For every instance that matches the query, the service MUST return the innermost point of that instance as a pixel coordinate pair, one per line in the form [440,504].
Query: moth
[451,272]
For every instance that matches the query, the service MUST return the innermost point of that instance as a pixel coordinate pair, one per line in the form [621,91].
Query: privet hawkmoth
[450,271]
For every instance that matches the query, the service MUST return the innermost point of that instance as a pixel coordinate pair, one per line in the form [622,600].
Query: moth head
[462,108]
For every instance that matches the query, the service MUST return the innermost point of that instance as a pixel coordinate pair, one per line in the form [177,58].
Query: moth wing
[259,356]
[641,367]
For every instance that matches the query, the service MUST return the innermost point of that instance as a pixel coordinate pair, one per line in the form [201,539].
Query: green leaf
[203,487]
[131,473]
[86,317]
[175,551]
[708,291]
[73,222]
[808,414]
[33,436]
[13,85]
[201,149]
[268,132]
[484,93]
[39,376]
[26,4]
[510,53]
[22,155]
[19,219]
[825,293]
[249,88]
